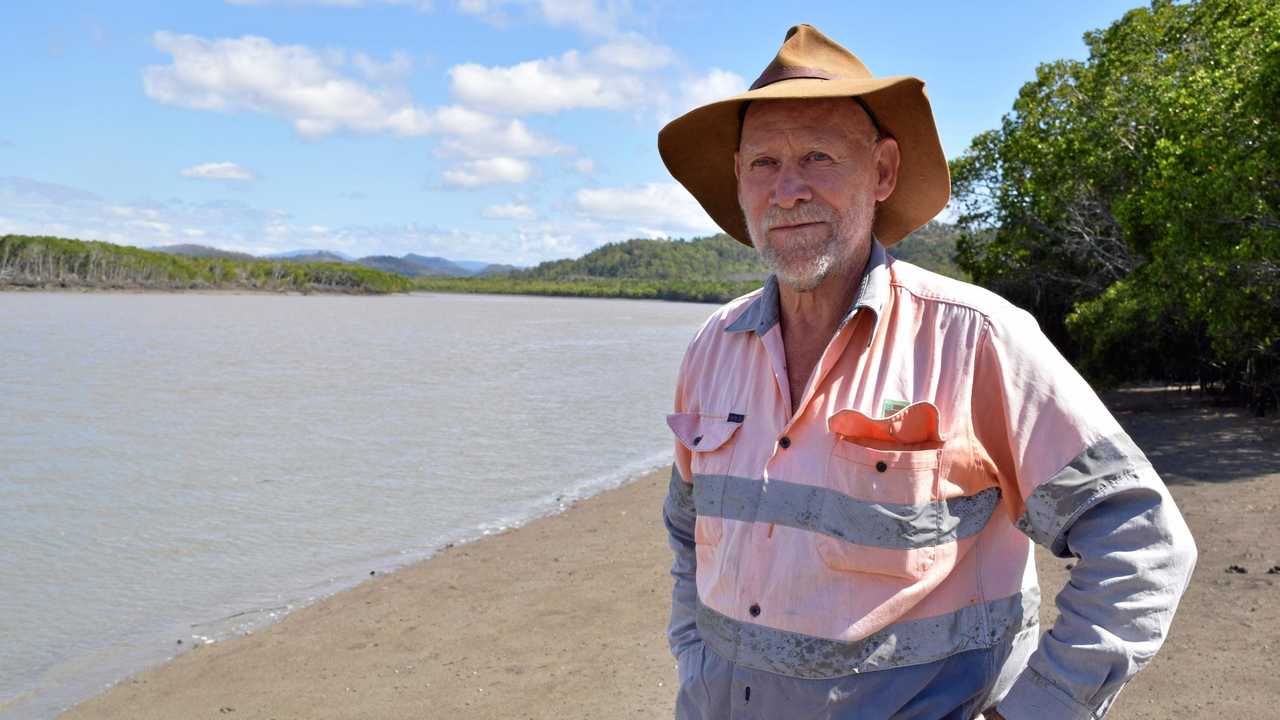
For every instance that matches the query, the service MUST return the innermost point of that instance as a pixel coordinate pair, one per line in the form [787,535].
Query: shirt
[825,557]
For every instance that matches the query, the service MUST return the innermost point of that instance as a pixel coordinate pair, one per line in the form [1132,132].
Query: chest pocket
[882,515]
[710,441]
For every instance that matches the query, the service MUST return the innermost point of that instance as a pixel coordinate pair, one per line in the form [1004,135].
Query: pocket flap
[915,423]
[703,433]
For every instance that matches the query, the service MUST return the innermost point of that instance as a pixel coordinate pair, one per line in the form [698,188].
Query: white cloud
[476,134]
[488,171]
[633,52]
[393,70]
[652,208]
[598,17]
[584,165]
[593,17]
[509,211]
[716,84]
[625,73]
[38,208]
[615,75]
[46,208]
[314,91]
[542,86]
[217,171]
[294,82]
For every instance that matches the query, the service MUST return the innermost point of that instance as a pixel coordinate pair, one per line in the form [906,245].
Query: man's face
[809,175]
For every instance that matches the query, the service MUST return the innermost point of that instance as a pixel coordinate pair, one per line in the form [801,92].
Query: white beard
[804,266]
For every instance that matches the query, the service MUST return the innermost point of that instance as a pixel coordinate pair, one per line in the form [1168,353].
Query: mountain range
[410,265]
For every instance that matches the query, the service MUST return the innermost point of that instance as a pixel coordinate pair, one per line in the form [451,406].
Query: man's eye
[819,156]
[762,162]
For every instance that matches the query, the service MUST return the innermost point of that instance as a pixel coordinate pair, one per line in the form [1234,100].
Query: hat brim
[698,149]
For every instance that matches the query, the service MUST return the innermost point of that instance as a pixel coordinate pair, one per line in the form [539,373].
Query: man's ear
[887,158]
[736,174]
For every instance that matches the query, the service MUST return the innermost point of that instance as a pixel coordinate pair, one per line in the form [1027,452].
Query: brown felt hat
[698,146]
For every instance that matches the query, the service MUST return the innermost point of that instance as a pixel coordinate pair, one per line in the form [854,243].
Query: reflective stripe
[829,512]
[911,642]
[679,495]
[1100,469]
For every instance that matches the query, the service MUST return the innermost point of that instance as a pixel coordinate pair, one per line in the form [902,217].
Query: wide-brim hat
[698,146]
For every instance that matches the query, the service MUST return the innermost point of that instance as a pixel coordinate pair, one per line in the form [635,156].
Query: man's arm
[1135,559]
[1080,487]
[678,516]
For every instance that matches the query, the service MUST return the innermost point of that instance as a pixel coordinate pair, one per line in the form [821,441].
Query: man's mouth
[795,226]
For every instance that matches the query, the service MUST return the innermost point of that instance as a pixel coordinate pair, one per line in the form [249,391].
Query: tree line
[1131,200]
[41,261]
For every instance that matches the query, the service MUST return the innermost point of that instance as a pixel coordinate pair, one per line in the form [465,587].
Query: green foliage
[712,269]
[708,291]
[932,247]
[718,257]
[1132,201]
[51,261]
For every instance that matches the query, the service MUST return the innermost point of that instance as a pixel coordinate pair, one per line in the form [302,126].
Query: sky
[511,131]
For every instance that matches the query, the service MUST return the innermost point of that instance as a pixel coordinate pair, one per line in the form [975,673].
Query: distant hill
[390,263]
[718,257]
[414,266]
[473,266]
[432,265]
[202,251]
[932,247]
[52,262]
[299,255]
[312,256]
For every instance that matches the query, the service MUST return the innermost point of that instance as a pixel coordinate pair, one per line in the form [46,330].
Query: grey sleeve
[1135,559]
[678,515]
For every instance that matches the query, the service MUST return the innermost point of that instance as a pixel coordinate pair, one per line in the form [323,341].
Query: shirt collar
[763,313]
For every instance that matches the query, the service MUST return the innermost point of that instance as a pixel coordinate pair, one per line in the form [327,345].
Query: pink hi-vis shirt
[888,522]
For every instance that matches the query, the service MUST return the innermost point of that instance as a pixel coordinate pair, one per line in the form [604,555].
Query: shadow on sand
[1192,437]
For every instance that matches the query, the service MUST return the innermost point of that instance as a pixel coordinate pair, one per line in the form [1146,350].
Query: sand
[564,617]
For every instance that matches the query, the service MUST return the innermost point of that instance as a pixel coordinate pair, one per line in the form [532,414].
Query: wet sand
[564,617]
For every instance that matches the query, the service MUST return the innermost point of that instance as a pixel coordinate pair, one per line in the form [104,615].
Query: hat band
[773,75]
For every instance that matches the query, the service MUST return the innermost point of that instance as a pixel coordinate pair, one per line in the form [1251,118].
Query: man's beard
[803,265]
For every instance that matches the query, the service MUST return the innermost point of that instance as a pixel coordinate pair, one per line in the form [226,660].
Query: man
[865,450]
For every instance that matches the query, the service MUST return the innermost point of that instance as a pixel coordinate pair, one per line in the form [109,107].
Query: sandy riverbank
[564,617]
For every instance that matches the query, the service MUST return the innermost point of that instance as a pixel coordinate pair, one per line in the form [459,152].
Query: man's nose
[790,187]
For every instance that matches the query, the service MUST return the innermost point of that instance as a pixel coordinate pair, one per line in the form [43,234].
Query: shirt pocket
[709,439]
[881,512]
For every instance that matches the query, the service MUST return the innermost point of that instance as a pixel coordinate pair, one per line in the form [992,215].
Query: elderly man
[865,450]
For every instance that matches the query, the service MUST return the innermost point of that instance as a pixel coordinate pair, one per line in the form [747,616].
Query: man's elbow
[1184,551]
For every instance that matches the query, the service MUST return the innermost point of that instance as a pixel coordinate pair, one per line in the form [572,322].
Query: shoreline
[564,617]
[93,290]
[244,621]
[96,290]
[445,573]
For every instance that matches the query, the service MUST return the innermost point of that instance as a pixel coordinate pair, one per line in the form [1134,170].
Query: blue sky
[498,130]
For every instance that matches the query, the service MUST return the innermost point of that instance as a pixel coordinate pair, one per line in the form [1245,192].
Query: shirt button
[697,440]
[754,610]
[785,442]
[881,466]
